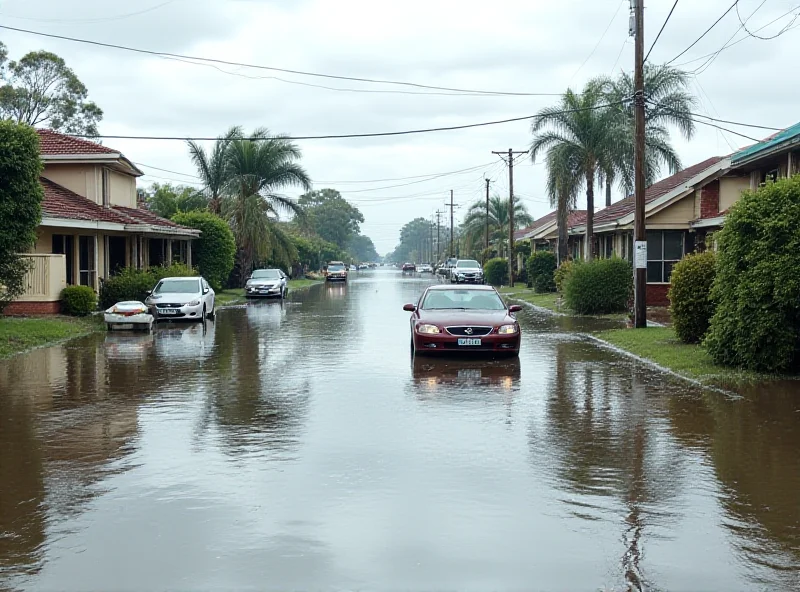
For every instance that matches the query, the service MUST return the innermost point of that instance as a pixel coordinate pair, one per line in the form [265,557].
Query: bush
[601,286]
[690,295]
[541,270]
[495,271]
[756,324]
[133,284]
[214,251]
[79,301]
[561,274]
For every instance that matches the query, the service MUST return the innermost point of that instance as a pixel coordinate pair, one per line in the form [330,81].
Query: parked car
[444,269]
[459,320]
[425,268]
[336,271]
[188,298]
[267,283]
[130,314]
[466,271]
[409,268]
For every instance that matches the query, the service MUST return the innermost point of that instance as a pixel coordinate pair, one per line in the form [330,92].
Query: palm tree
[668,105]
[474,225]
[211,167]
[563,192]
[255,169]
[586,136]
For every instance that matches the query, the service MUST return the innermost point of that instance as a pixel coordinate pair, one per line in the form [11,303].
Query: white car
[129,314]
[267,283]
[425,268]
[466,271]
[186,298]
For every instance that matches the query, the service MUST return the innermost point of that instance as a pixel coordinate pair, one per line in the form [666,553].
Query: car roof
[476,287]
[181,277]
[267,269]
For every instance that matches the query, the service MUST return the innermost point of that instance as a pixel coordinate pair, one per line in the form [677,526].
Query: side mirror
[148,292]
[514,308]
[409,307]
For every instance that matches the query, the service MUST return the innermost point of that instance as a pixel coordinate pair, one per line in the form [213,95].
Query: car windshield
[178,286]
[471,263]
[335,267]
[462,299]
[266,274]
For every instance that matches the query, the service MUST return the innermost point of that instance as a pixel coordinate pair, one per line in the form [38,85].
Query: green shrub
[495,271]
[79,301]
[541,269]
[561,274]
[756,324]
[601,286]
[690,295]
[214,251]
[133,284]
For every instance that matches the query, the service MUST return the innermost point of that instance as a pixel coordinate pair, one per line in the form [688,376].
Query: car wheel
[203,316]
[412,345]
[213,314]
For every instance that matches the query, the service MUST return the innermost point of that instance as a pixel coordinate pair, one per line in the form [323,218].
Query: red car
[449,319]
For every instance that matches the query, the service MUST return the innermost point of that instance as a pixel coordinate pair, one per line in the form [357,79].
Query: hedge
[561,274]
[601,286]
[133,284]
[756,324]
[495,271]
[541,271]
[214,251]
[78,301]
[690,295]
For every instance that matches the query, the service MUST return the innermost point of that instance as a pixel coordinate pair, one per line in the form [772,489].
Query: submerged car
[463,320]
[187,298]
[337,271]
[130,314]
[466,271]
[267,283]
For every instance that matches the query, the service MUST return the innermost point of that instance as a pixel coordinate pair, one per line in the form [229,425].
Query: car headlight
[507,329]
[195,302]
[429,329]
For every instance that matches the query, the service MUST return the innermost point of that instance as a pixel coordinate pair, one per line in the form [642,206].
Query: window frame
[665,278]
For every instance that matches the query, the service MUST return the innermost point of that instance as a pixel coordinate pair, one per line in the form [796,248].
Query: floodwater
[298,447]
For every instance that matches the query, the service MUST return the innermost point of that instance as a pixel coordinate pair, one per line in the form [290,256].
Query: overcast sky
[528,46]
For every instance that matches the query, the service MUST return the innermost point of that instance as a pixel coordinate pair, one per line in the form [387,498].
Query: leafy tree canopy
[331,216]
[41,90]
[166,199]
[363,249]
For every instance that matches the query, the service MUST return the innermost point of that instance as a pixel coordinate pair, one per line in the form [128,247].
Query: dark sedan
[460,320]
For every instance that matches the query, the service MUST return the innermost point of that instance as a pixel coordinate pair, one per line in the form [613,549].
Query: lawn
[236,295]
[21,334]
[549,300]
[661,346]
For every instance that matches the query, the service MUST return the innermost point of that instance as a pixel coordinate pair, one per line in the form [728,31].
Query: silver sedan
[186,298]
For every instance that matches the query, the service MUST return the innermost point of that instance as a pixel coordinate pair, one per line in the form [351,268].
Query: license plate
[469,341]
[168,311]
[469,373]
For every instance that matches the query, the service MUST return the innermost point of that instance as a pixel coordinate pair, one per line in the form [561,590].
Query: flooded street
[297,446]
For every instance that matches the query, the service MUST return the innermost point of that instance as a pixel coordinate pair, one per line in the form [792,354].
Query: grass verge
[236,295]
[661,346]
[18,335]
[550,301]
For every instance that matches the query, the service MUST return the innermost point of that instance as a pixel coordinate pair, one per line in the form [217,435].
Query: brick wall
[657,295]
[32,308]
[709,200]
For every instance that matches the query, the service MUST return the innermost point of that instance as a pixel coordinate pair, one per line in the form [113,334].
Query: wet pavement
[298,447]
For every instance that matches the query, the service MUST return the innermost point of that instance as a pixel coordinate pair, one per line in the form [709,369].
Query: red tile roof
[576,217]
[624,207]
[53,143]
[60,202]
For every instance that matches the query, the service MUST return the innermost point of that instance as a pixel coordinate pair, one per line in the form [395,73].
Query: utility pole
[639,230]
[438,242]
[510,164]
[487,217]
[452,207]
[430,242]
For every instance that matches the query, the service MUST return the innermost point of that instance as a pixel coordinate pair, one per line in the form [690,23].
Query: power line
[599,41]
[271,68]
[696,41]
[751,34]
[621,49]
[402,178]
[711,60]
[691,117]
[89,20]
[345,136]
[661,30]
[412,182]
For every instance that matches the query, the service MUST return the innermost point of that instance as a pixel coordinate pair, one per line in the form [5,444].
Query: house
[681,210]
[543,233]
[92,225]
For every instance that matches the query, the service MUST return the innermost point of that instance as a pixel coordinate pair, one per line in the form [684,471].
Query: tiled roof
[53,143]
[624,207]
[576,217]
[60,202]
[790,135]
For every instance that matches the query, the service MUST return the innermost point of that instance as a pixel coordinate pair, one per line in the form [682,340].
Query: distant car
[187,298]
[458,320]
[337,271]
[409,268]
[445,268]
[363,266]
[353,267]
[466,271]
[267,283]
[425,268]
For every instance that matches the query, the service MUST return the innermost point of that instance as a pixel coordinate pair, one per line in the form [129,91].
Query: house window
[770,176]
[608,250]
[664,249]
[63,244]
[179,251]
[106,188]
[86,260]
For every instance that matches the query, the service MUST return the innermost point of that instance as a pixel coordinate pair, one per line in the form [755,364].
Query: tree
[166,199]
[414,241]
[211,167]
[363,249]
[474,225]
[215,250]
[21,197]
[255,169]
[331,217]
[41,90]
[587,139]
